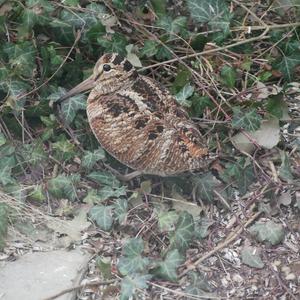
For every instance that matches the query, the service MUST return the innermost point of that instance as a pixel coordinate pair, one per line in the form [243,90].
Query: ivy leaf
[37,193]
[7,150]
[132,282]
[184,232]
[240,173]
[287,64]
[117,43]
[104,264]
[167,220]
[70,107]
[105,178]
[132,261]
[251,258]
[268,232]
[6,165]
[163,53]
[120,209]
[182,78]
[62,30]
[150,48]
[248,120]
[133,247]
[159,6]
[285,171]
[64,150]
[3,225]
[200,103]
[92,197]
[228,76]
[167,268]
[111,192]
[213,12]
[89,158]
[16,89]
[185,93]
[64,186]
[205,185]
[277,107]
[36,12]
[71,2]
[34,153]
[102,215]
[202,228]
[2,139]
[21,57]
[172,26]
[199,286]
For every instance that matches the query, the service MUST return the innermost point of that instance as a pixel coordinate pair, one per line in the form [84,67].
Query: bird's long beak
[84,86]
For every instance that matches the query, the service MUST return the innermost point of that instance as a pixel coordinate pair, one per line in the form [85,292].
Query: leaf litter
[55,185]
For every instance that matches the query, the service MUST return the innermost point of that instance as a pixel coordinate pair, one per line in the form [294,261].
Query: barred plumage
[139,122]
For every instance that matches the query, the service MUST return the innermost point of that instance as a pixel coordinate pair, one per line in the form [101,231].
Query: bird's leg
[130,176]
[122,177]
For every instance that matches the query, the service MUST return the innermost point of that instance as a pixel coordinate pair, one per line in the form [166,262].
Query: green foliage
[202,228]
[228,76]
[104,178]
[198,286]
[167,268]
[132,260]
[184,232]
[131,283]
[150,48]
[3,224]
[287,65]
[205,185]
[102,215]
[276,106]
[251,258]
[6,165]
[248,119]
[64,150]
[90,158]
[240,173]
[37,68]
[120,209]
[33,154]
[172,26]
[285,171]
[64,186]
[37,193]
[20,57]
[116,43]
[213,12]
[104,265]
[183,95]
[268,232]
[167,220]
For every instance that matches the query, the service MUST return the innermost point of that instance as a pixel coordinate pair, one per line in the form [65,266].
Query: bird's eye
[106,67]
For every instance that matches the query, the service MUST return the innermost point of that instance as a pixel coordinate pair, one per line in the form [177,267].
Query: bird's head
[111,72]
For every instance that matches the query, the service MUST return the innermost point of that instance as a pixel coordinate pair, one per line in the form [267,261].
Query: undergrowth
[234,65]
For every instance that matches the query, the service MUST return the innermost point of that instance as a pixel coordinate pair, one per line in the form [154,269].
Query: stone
[40,275]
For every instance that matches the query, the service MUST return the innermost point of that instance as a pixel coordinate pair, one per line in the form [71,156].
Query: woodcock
[139,122]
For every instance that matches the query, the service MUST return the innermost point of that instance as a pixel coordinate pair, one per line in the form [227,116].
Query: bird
[139,122]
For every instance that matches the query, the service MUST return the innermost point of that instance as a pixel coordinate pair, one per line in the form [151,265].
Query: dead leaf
[109,21]
[285,199]
[132,57]
[267,136]
[74,227]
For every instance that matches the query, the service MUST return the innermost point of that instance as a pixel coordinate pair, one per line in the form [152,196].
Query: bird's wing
[144,128]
